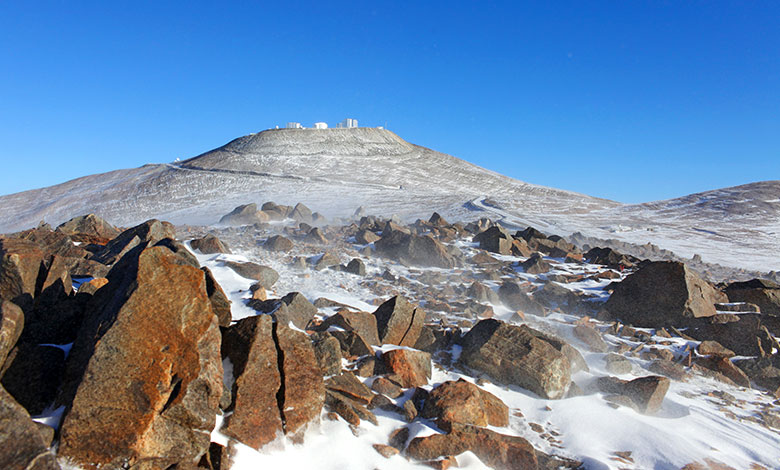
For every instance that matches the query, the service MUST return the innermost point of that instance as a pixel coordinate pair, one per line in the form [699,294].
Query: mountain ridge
[336,170]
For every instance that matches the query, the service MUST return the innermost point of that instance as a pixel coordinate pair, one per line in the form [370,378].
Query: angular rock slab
[410,368]
[303,388]
[250,346]
[463,402]
[663,293]
[514,355]
[11,325]
[498,451]
[399,322]
[149,359]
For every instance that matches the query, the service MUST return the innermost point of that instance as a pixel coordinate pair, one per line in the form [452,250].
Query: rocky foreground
[162,347]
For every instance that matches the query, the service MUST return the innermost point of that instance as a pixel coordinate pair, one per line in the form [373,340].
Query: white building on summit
[348,123]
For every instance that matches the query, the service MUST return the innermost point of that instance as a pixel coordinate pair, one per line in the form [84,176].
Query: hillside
[334,171]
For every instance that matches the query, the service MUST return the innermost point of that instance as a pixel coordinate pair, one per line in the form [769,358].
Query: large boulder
[761,292]
[209,244]
[496,239]
[464,403]
[498,451]
[256,419]
[148,358]
[265,276]
[21,263]
[663,293]
[362,323]
[414,249]
[293,307]
[278,243]
[610,258]
[304,391]
[645,394]
[149,232]
[301,213]
[23,446]
[246,214]
[514,355]
[408,367]
[515,298]
[535,265]
[399,322]
[89,228]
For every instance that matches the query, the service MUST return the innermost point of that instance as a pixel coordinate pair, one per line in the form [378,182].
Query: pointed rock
[399,322]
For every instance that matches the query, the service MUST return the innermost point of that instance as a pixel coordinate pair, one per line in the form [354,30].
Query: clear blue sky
[632,101]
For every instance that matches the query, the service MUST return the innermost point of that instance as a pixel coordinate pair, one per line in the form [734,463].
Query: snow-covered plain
[700,419]
[334,171]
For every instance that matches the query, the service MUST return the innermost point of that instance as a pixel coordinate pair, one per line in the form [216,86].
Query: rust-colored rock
[304,392]
[399,322]
[148,233]
[362,323]
[149,359]
[409,367]
[463,402]
[498,451]
[645,394]
[88,228]
[250,346]
[21,262]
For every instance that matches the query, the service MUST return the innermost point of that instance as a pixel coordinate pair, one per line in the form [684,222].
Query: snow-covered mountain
[334,171]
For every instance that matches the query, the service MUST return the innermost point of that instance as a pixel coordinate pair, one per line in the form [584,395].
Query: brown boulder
[11,325]
[663,293]
[21,263]
[514,355]
[265,276]
[514,298]
[278,243]
[256,419]
[399,322]
[364,237]
[89,229]
[498,451]
[23,446]
[535,265]
[591,337]
[408,367]
[414,249]
[362,323]
[327,349]
[304,392]
[149,359]
[209,244]
[347,384]
[246,214]
[746,336]
[464,403]
[149,232]
[496,239]
[645,394]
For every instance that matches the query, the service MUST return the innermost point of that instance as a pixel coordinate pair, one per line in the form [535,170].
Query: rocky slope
[433,345]
[336,170]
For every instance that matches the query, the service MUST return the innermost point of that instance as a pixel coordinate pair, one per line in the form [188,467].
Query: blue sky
[632,101]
